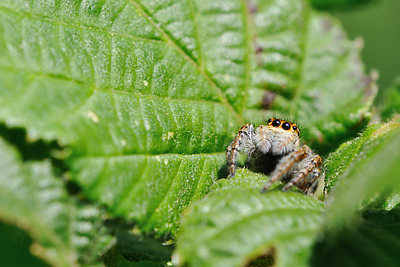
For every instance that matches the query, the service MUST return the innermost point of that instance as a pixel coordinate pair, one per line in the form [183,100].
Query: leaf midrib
[151,21]
[95,88]
[149,155]
[189,58]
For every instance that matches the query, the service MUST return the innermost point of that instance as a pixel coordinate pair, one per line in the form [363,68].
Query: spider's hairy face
[274,148]
[278,137]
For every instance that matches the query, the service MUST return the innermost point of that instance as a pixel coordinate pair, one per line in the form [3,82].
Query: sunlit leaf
[147,95]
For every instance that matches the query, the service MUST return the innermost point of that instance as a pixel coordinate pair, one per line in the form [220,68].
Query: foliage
[339,4]
[389,103]
[35,201]
[116,115]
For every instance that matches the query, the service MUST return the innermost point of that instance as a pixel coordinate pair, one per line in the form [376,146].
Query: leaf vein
[199,180]
[125,196]
[188,57]
[151,213]
[118,13]
[287,210]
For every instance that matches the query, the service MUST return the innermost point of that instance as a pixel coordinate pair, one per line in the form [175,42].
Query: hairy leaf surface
[363,214]
[148,94]
[306,68]
[238,225]
[355,155]
[370,180]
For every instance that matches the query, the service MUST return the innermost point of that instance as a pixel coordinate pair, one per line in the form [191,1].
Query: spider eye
[286,126]
[276,123]
[269,120]
[294,127]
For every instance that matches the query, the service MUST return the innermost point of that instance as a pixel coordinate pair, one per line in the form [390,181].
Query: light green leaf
[233,226]
[147,95]
[62,231]
[243,178]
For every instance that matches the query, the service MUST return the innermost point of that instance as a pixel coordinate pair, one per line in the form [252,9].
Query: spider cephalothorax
[275,148]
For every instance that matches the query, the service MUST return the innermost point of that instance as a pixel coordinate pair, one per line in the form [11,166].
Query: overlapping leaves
[363,215]
[34,200]
[146,95]
[239,226]
[389,103]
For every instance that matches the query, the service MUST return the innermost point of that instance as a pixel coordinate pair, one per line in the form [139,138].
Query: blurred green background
[378,23]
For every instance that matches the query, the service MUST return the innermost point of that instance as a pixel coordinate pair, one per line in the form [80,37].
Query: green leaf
[304,66]
[14,248]
[31,198]
[339,4]
[362,244]
[234,226]
[355,155]
[371,173]
[147,95]
[361,225]
[136,247]
[389,103]
[243,178]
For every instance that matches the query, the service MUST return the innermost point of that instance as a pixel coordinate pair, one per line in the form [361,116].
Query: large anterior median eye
[276,123]
[286,126]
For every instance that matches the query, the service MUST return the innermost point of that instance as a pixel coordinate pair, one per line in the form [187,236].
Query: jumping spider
[275,148]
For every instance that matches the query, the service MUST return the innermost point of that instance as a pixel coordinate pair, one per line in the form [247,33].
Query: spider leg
[242,142]
[312,165]
[314,176]
[285,164]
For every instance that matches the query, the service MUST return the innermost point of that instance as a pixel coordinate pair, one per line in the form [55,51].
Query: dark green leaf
[32,198]
[14,248]
[389,104]
[362,222]
[362,244]
[339,4]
